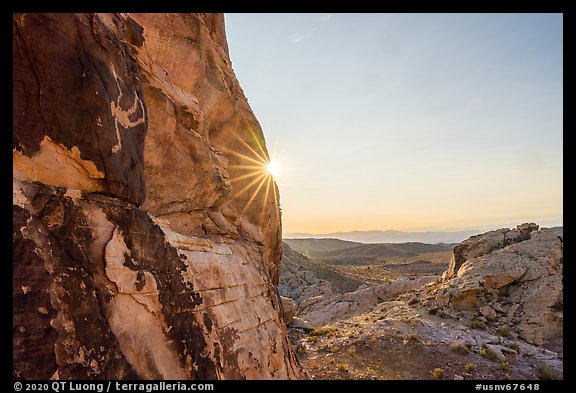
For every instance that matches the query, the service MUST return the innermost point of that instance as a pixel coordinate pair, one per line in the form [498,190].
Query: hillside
[495,313]
[314,247]
[340,252]
[380,253]
[302,277]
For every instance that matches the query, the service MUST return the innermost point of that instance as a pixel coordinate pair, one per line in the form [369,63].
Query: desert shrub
[504,332]
[504,365]
[334,349]
[546,372]
[412,337]
[300,349]
[323,331]
[488,354]
[460,346]
[342,367]
[351,351]
[477,324]
[470,367]
[312,338]
[438,373]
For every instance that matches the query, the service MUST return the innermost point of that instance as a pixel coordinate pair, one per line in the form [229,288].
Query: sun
[273,169]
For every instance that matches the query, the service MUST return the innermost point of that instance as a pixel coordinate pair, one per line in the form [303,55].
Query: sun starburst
[253,173]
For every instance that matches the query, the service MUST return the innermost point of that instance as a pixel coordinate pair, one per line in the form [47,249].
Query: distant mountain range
[390,236]
[339,251]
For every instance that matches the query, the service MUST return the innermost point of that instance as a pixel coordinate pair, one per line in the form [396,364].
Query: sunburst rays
[250,174]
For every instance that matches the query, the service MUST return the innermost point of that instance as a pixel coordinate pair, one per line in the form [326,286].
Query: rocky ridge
[495,313]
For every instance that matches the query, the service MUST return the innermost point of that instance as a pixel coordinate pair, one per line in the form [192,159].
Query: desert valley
[151,221]
[487,308]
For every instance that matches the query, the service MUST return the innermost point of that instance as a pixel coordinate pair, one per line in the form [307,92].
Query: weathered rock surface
[289,309]
[146,240]
[323,310]
[298,280]
[514,278]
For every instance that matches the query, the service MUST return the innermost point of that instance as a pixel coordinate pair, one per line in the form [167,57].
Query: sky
[407,121]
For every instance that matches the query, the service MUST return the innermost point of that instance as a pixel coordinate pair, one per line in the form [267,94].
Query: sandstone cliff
[146,236]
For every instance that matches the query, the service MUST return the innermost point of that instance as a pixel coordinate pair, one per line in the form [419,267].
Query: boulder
[289,308]
[488,312]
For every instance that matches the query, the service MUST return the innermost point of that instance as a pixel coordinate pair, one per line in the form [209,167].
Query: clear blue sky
[407,121]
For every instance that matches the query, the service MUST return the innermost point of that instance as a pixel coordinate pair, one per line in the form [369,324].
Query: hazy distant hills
[314,246]
[377,251]
[391,236]
[339,251]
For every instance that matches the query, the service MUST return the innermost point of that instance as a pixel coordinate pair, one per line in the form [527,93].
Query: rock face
[298,279]
[146,237]
[513,278]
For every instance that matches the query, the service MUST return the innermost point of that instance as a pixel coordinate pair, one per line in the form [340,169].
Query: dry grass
[461,347]
[545,372]
[412,337]
[504,332]
[342,367]
[438,373]
[477,324]
[470,367]
[487,354]
[300,349]
[328,331]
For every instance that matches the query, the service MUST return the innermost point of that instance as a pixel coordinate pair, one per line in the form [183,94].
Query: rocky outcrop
[323,310]
[319,303]
[299,280]
[513,278]
[146,236]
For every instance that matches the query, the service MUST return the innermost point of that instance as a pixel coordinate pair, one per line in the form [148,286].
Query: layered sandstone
[146,238]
